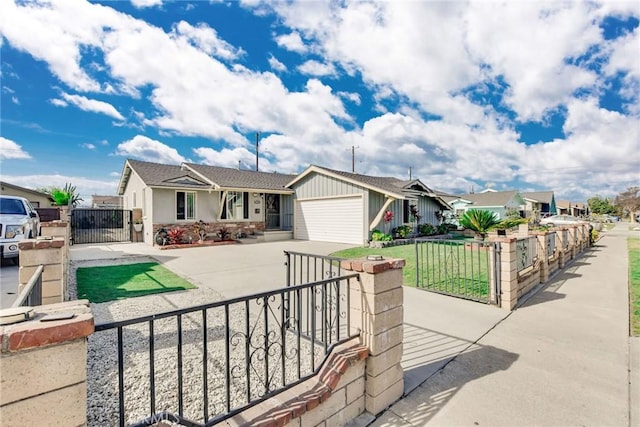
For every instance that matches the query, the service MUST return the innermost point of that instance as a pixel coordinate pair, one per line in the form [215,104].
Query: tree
[64,196]
[479,221]
[629,201]
[600,206]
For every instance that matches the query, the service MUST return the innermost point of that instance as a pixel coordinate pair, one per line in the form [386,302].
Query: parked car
[560,219]
[18,221]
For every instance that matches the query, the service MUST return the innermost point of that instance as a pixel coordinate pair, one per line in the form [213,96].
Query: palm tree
[64,196]
[479,221]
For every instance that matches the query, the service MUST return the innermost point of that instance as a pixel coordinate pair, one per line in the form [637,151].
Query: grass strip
[115,282]
[634,285]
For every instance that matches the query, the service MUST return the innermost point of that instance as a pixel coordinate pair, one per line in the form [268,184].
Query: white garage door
[330,220]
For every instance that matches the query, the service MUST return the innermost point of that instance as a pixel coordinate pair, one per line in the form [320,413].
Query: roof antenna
[257,149]
[409,173]
[239,162]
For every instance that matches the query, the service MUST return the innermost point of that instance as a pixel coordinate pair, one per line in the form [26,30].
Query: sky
[525,95]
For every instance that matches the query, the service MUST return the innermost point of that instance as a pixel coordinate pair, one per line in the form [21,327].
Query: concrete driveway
[230,270]
[8,283]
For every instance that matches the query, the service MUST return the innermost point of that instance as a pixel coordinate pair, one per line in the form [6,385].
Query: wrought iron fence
[31,295]
[526,252]
[306,268]
[551,244]
[228,355]
[100,225]
[461,268]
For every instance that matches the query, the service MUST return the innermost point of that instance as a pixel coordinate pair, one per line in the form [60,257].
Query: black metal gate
[100,225]
[463,268]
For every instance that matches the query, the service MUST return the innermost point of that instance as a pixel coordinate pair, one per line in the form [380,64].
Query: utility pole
[257,149]
[353,158]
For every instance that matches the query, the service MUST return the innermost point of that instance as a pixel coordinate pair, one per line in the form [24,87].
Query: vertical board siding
[317,185]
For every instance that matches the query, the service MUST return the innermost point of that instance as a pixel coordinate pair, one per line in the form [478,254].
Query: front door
[272,211]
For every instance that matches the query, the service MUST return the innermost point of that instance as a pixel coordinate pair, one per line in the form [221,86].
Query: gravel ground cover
[284,350]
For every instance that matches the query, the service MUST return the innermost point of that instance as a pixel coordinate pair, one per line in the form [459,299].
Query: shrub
[479,221]
[510,223]
[402,231]
[175,235]
[224,233]
[379,236]
[426,229]
[200,228]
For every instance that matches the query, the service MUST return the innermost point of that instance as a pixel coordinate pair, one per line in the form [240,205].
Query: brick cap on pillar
[41,243]
[56,223]
[504,239]
[33,333]
[372,266]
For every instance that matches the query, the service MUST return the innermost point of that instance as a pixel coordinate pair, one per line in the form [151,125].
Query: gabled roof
[193,176]
[491,198]
[26,190]
[242,179]
[160,175]
[539,196]
[389,186]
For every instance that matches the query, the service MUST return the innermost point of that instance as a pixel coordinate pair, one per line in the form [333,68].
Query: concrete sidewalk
[562,359]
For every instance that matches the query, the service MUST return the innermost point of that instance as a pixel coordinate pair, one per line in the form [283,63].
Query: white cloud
[144,148]
[206,39]
[88,146]
[292,42]
[115,174]
[87,104]
[10,150]
[146,3]
[316,68]
[230,158]
[351,96]
[15,100]
[276,65]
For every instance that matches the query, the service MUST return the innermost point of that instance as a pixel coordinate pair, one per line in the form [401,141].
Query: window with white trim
[185,205]
[236,205]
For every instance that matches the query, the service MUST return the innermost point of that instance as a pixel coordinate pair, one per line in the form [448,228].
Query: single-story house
[565,207]
[539,204]
[318,204]
[502,203]
[239,200]
[37,199]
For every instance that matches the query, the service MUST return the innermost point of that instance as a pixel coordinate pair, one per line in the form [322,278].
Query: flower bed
[407,241]
[199,244]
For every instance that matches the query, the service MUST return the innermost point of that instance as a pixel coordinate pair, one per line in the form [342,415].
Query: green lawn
[101,284]
[634,285]
[444,267]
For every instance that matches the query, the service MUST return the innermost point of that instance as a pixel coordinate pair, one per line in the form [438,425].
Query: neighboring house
[539,204]
[318,204]
[181,195]
[502,203]
[565,207]
[106,202]
[336,206]
[36,198]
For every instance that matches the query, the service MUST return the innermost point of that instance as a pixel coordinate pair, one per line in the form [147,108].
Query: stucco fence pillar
[51,253]
[44,367]
[376,310]
[508,273]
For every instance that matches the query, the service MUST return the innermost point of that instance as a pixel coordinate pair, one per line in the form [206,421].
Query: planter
[137,227]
